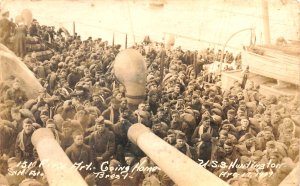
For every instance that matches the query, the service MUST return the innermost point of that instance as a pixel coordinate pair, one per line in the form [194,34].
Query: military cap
[67,124]
[232,97]
[151,83]
[245,159]
[246,137]
[174,112]
[171,131]
[152,92]
[268,128]
[195,96]
[180,135]
[295,141]
[50,121]
[180,98]
[205,118]
[99,120]
[166,104]
[225,122]
[258,153]
[216,111]
[36,125]
[225,99]
[128,154]
[271,144]
[228,142]
[206,137]
[44,112]
[242,102]
[160,109]
[212,94]
[206,104]
[114,101]
[231,112]
[275,153]
[28,121]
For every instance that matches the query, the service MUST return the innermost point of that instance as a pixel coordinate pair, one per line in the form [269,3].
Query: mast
[131,24]
[265,15]
[299,21]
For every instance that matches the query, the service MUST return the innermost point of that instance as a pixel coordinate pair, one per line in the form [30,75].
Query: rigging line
[248,15]
[2,4]
[201,40]
[257,12]
[289,15]
[228,19]
[215,34]
[130,20]
[222,21]
[104,28]
[203,14]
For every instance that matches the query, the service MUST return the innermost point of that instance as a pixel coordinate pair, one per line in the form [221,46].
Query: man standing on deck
[16,94]
[6,28]
[24,149]
[79,152]
[102,141]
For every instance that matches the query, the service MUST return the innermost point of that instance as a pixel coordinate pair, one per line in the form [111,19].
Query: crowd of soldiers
[85,107]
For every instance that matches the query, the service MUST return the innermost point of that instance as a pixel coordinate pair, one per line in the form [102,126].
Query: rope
[104,28]
[201,40]
[250,15]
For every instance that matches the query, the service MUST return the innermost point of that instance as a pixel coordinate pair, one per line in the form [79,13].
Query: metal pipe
[231,36]
[57,166]
[225,45]
[180,168]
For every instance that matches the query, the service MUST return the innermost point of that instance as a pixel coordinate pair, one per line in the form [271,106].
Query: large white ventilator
[12,67]
[57,166]
[130,69]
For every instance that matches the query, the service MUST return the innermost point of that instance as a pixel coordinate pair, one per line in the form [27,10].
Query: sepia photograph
[149,92]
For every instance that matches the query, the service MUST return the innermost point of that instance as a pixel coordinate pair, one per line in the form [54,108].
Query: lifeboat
[277,62]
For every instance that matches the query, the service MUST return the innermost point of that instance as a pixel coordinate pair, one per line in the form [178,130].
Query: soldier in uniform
[245,127]
[6,28]
[20,40]
[171,137]
[120,130]
[102,141]
[79,152]
[112,113]
[204,127]
[231,155]
[24,149]
[16,94]
[183,147]
[3,172]
[66,136]
[176,122]
[7,136]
